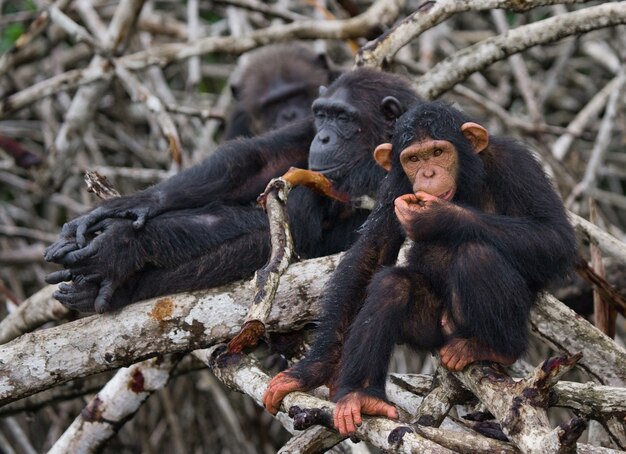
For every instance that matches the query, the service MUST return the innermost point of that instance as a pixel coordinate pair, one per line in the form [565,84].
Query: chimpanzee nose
[289,115]
[428,173]
[324,138]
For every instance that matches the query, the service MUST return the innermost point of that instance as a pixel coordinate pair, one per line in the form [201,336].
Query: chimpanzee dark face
[284,104]
[337,123]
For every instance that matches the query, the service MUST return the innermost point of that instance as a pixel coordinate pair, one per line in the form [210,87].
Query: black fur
[201,226]
[494,262]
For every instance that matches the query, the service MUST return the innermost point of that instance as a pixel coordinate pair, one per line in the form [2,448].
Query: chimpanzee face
[432,165]
[337,122]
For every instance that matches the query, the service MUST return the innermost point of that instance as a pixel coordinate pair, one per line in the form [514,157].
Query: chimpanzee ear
[476,135]
[391,108]
[322,90]
[382,155]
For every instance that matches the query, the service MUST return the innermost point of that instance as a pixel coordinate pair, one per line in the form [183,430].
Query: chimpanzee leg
[399,308]
[489,307]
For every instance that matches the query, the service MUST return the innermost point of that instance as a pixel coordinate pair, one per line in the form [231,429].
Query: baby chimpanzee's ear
[382,155]
[476,135]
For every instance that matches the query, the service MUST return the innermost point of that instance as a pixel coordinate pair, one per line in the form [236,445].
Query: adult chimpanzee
[489,232]
[200,229]
[275,86]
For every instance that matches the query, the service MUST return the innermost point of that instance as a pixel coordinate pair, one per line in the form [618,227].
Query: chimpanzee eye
[342,117]
[414,159]
[437,152]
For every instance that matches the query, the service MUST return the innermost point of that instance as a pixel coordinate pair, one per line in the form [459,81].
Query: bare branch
[474,58]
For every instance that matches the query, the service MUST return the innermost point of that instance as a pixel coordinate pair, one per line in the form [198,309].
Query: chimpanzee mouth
[447,195]
[327,170]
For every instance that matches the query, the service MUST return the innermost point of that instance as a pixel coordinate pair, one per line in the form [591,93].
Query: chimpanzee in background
[489,233]
[200,228]
[275,86]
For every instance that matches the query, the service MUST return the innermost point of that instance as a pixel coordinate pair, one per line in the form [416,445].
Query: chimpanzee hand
[350,407]
[104,263]
[73,235]
[281,385]
[413,209]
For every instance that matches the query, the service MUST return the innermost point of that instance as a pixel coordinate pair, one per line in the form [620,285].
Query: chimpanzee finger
[407,199]
[80,300]
[142,217]
[59,248]
[103,300]
[58,276]
[74,257]
[348,419]
[338,421]
[269,400]
[356,416]
[86,225]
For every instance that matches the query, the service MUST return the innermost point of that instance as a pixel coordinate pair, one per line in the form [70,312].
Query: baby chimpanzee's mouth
[447,195]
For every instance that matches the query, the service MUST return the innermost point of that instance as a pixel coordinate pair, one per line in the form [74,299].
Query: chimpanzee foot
[350,407]
[78,296]
[458,353]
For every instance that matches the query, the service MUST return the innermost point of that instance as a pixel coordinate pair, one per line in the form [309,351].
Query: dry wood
[241,373]
[426,17]
[459,66]
[114,404]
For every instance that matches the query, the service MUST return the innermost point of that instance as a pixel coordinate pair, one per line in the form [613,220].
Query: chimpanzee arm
[529,226]
[167,241]
[237,172]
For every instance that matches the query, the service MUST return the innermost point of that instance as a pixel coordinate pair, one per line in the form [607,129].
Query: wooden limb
[42,359]
[607,243]
[67,391]
[460,65]
[595,401]
[100,185]
[520,406]
[602,358]
[119,400]
[565,331]
[465,441]
[604,315]
[140,93]
[274,201]
[243,374]
[602,288]
[382,50]
[266,279]
[38,26]
[40,308]
[446,392]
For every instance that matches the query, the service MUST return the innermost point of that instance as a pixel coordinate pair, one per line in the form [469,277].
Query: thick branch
[114,404]
[459,66]
[429,14]
[241,373]
[39,360]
